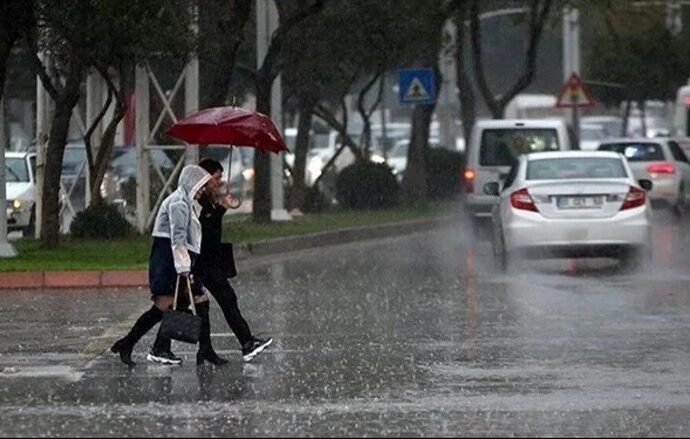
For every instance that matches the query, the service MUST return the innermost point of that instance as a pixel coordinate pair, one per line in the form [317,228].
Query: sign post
[573,95]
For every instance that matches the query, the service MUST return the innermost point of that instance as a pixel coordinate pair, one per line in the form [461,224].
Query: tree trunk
[414,188]
[221,76]
[50,221]
[538,15]
[299,188]
[643,116]
[261,211]
[626,118]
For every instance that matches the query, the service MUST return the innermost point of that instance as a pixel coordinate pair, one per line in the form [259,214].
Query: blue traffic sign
[416,86]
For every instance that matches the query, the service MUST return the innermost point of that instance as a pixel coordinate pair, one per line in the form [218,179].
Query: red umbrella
[231,126]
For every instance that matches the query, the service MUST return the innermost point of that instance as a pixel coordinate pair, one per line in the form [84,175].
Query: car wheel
[679,207]
[501,256]
[635,260]
[30,230]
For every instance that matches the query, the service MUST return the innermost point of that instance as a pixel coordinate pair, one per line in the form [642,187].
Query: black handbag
[181,325]
[227,260]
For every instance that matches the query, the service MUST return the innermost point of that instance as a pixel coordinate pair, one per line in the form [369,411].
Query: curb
[114,279]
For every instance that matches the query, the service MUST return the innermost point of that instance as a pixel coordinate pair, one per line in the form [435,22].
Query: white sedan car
[20,189]
[571,204]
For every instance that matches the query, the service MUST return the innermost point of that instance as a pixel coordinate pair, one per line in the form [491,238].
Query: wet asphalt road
[410,336]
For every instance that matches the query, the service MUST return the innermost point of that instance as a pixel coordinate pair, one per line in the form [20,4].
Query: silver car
[662,161]
[571,204]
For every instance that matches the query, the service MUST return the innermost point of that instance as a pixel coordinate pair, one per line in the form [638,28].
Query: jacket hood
[192,179]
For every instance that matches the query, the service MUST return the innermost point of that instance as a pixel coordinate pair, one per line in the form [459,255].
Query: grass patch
[133,253]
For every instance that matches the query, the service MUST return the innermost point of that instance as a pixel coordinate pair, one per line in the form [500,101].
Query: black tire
[679,207]
[635,260]
[501,256]
[30,230]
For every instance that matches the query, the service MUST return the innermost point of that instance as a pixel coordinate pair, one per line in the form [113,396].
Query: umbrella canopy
[230,126]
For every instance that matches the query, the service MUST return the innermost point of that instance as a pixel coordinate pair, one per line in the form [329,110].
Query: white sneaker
[255,347]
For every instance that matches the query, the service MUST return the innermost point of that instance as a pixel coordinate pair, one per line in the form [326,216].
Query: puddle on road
[63,372]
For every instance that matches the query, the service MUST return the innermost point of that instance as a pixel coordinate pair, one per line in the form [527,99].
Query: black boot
[125,345]
[206,352]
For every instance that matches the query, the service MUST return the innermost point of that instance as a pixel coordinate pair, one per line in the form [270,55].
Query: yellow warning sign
[573,94]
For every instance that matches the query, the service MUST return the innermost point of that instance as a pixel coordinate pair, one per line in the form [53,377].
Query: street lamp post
[6,249]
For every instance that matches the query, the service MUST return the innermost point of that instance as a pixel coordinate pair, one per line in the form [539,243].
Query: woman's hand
[230,202]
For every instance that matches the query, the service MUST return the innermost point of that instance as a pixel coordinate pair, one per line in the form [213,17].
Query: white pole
[142,128]
[266,24]
[6,249]
[44,118]
[191,89]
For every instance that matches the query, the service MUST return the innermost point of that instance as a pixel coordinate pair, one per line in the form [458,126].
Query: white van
[495,148]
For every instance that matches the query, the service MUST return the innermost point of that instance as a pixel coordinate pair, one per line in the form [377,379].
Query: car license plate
[580,202]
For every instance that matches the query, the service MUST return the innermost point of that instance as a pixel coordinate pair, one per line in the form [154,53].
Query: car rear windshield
[636,152]
[16,170]
[502,147]
[575,168]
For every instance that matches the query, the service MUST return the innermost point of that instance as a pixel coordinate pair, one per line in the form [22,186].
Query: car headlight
[16,204]
[376,158]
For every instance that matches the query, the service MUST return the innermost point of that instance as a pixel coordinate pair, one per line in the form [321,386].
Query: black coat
[216,257]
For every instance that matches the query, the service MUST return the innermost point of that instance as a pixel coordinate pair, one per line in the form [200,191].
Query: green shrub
[100,221]
[316,201]
[367,185]
[443,168]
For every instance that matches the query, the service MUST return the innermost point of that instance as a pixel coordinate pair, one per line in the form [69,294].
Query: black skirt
[162,273]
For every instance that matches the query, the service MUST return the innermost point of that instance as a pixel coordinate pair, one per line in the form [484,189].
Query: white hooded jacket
[178,217]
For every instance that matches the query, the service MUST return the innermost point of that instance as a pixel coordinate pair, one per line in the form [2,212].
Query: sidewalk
[110,279]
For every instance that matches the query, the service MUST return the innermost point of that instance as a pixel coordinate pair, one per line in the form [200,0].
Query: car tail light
[468,177]
[522,200]
[636,197]
[661,168]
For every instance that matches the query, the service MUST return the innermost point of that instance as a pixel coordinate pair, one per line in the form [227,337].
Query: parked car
[661,160]
[571,204]
[591,135]
[613,125]
[397,157]
[20,187]
[497,146]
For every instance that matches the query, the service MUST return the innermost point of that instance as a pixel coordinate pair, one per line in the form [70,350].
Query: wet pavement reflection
[411,336]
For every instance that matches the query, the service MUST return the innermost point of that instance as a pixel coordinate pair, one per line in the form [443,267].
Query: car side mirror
[493,188]
[646,184]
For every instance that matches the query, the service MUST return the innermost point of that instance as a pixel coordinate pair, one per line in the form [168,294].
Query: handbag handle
[189,291]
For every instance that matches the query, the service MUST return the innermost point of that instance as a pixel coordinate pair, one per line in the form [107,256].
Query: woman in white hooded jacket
[176,244]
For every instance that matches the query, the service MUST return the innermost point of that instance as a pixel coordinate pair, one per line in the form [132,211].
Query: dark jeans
[222,291]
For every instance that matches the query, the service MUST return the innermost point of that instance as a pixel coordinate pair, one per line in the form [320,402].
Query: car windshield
[591,134]
[73,160]
[637,152]
[400,150]
[321,141]
[16,170]
[502,147]
[575,168]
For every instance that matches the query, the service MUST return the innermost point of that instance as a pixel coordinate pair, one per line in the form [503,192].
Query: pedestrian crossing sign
[417,86]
